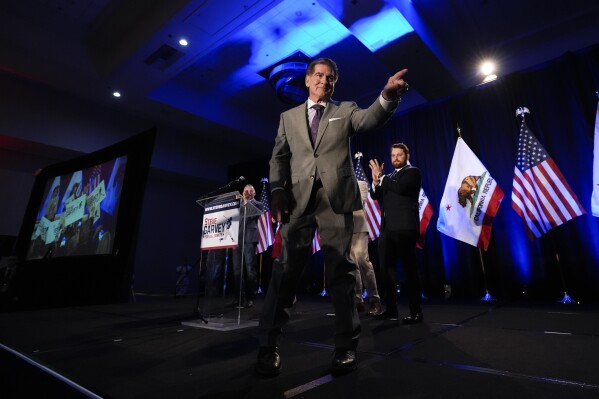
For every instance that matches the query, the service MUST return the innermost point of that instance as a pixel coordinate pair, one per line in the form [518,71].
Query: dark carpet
[464,349]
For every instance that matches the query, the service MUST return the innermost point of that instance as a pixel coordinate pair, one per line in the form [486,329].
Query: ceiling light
[183,42]
[487,68]
[116,94]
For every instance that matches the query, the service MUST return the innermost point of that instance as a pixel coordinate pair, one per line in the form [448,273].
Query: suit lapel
[400,173]
[300,116]
[329,111]
[395,175]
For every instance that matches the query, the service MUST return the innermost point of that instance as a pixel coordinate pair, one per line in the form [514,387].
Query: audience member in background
[400,226]
[246,277]
[365,276]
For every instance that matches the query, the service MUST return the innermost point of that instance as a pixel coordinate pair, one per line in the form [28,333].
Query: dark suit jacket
[294,161]
[399,195]
[251,228]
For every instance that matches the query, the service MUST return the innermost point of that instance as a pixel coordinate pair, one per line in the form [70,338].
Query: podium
[223,216]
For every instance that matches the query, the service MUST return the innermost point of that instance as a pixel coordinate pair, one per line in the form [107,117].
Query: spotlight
[487,68]
[287,78]
[183,42]
[288,81]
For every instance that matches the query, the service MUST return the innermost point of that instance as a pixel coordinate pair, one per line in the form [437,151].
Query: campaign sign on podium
[220,225]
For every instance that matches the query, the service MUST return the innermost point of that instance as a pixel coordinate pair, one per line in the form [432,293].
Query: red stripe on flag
[566,197]
[277,246]
[492,208]
[426,218]
[316,242]
[543,199]
[265,234]
[536,195]
[372,211]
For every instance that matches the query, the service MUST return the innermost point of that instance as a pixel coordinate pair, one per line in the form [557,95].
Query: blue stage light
[381,29]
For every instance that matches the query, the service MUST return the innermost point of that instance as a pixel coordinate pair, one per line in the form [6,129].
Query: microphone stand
[198,310]
[222,189]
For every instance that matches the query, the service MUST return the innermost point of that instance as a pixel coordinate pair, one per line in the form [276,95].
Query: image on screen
[78,212]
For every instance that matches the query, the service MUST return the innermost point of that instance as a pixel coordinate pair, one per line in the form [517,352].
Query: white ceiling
[91,47]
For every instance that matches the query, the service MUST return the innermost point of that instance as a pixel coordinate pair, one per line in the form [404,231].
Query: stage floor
[148,349]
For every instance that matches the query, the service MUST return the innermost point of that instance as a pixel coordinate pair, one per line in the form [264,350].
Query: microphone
[239,180]
[223,188]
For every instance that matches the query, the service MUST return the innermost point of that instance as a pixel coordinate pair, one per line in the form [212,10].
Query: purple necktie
[315,122]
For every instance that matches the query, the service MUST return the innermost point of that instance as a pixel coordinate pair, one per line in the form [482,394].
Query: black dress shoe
[375,308]
[386,315]
[269,361]
[413,318]
[344,361]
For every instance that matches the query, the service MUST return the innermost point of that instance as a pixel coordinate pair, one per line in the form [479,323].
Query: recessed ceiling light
[183,42]
[116,94]
[487,68]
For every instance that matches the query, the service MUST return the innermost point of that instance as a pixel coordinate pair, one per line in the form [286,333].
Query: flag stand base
[567,299]
[487,297]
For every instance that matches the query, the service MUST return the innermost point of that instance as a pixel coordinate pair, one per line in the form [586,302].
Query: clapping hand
[377,170]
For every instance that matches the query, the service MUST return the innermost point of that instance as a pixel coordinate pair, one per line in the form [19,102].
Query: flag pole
[324,280]
[260,278]
[487,297]
[566,299]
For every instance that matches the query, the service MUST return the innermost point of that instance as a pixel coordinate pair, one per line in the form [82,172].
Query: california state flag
[470,200]
[425,212]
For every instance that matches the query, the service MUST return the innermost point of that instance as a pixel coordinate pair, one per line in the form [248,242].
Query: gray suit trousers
[335,233]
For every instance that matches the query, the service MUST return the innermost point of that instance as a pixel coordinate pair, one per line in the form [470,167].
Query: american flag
[278,243]
[316,242]
[265,234]
[540,193]
[372,210]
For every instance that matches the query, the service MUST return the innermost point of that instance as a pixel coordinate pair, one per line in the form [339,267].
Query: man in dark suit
[246,283]
[313,185]
[400,228]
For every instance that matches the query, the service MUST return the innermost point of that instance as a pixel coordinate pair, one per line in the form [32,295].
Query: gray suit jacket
[294,161]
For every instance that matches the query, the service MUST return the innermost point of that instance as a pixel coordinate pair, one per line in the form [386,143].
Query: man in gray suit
[313,185]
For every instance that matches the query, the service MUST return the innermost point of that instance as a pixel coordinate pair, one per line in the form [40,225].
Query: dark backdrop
[561,96]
